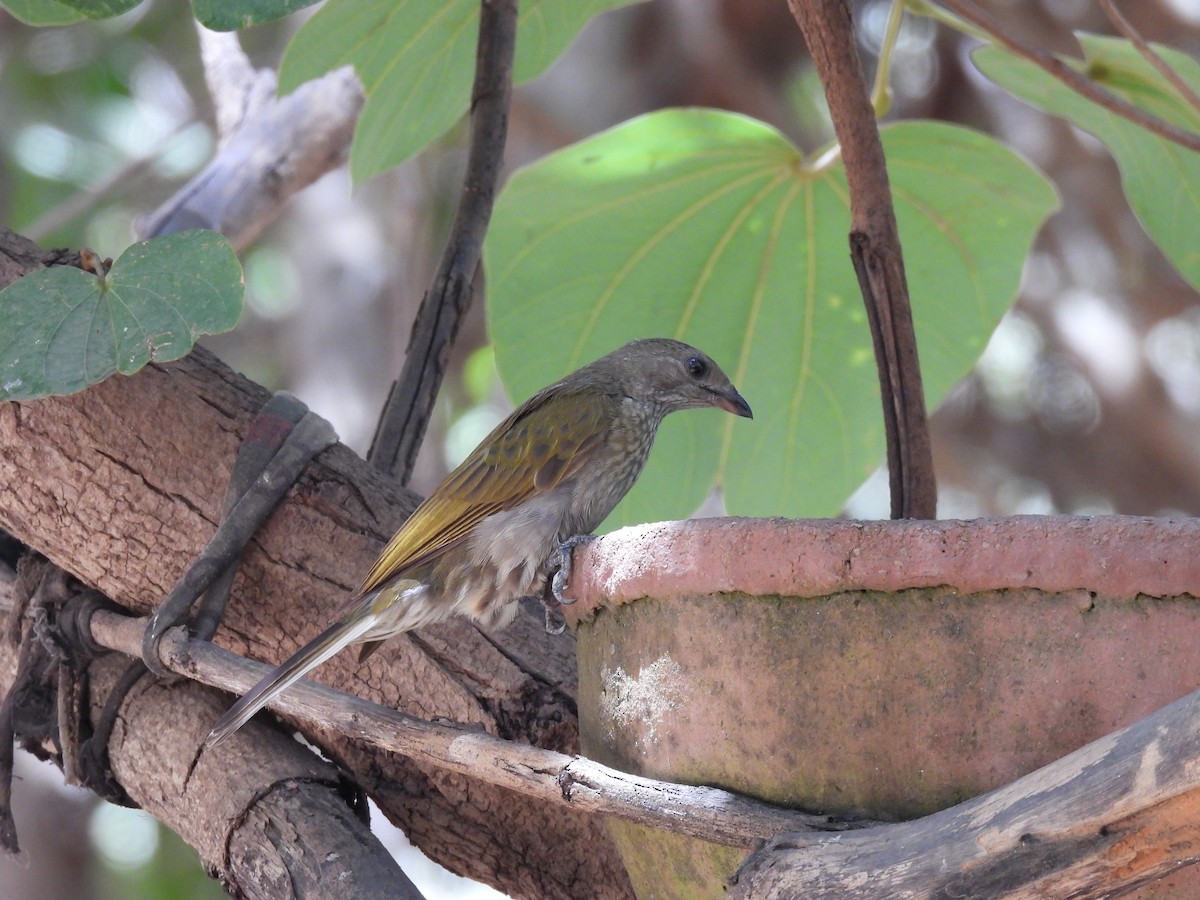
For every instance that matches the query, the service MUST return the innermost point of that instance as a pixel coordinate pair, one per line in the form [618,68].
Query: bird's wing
[543,443]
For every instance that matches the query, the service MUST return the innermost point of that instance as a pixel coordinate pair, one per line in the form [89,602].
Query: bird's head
[673,374]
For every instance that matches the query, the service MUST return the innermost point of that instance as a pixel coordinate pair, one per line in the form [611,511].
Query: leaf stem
[828,29]
[944,17]
[881,98]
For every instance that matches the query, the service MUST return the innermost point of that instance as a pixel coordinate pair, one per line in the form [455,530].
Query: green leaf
[416,60]
[219,15]
[42,12]
[66,329]
[1160,178]
[230,15]
[100,9]
[712,228]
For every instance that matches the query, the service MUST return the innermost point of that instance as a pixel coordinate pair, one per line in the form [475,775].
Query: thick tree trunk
[121,485]
[313,846]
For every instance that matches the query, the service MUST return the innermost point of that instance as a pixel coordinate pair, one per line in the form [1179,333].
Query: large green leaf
[219,15]
[712,228]
[1161,178]
[66,329]
[416,60]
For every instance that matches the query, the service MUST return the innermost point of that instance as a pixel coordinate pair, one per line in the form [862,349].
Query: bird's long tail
[340,634]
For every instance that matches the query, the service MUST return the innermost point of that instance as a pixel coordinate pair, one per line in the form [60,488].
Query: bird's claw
[562,575]
[559,584]
[555,624]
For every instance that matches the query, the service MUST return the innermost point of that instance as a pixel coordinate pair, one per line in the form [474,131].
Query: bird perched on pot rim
[495,529]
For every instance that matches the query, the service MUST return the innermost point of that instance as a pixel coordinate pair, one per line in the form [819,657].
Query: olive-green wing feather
[543,443]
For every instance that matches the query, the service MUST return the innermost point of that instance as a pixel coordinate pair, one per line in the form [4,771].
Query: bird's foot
[562,575]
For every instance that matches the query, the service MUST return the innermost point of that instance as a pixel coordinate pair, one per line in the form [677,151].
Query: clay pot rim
[1112,556]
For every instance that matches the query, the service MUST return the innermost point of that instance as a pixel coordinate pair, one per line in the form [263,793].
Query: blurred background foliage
[1086,400]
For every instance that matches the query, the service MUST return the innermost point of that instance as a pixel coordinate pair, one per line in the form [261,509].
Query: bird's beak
[732,401]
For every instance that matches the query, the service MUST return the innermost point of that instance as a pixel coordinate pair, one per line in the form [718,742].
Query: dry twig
[1123,25]
[1073,79]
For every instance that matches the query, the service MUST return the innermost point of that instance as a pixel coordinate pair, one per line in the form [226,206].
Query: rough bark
[314,845]
[121,485]
[1124,815]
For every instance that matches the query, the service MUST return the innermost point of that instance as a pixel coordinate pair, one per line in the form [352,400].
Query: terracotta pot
[888,669]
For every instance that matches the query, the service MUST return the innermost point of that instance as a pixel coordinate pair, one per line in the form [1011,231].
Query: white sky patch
[124,838]
[1186,9]
[1172,349]
[1101,338]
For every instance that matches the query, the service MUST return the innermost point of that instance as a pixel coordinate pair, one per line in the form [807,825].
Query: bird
[506,519]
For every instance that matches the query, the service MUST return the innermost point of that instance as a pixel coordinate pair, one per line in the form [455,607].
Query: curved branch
[230,822]
[1115,814]
[121,484]
[1123,25]
[410,402]
[278,146]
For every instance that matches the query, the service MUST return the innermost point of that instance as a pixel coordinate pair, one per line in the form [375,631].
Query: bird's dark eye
[696,367]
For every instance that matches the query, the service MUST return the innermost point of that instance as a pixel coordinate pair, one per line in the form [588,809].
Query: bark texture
[121,485]
[287,831]
[1114,816]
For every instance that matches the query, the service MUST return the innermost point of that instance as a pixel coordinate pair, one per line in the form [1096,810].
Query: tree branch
[105,492]
[121,484]
[229,821]
[239,92]
[271,147]
[1115,814]
[1123,25]
[406,413]
[551,778]
[876,253]
[1071,826]
[1081,84]
[102,488]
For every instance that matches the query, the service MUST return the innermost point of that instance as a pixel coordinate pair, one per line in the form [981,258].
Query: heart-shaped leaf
[43,12]
[66,329]
[713,228]
[60,12]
